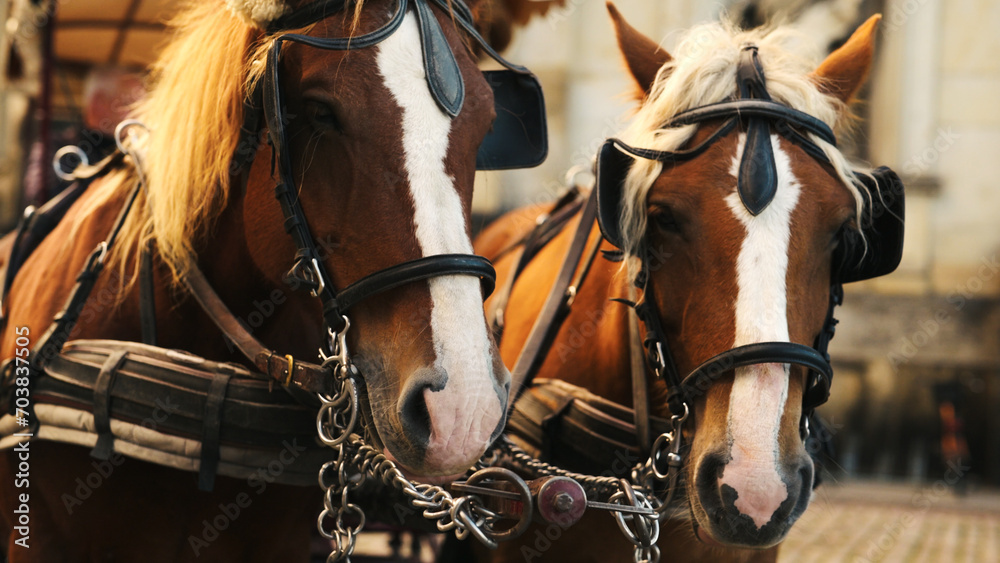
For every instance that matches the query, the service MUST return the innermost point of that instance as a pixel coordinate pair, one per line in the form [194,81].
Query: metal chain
[357,462]
[594,485]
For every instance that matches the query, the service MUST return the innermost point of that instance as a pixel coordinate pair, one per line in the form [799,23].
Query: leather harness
[583,436]
[226,418]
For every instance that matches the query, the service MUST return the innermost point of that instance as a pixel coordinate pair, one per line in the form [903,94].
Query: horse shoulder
[506,231]
[44,282]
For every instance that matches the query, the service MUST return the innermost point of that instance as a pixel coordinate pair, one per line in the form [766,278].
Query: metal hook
[65,175]
[122,129]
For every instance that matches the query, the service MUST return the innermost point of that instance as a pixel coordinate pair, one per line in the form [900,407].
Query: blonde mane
[194,112]
[703,71]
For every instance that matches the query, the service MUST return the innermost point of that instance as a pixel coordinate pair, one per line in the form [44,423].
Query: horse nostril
[709,472]
[413,415]
[412,408]
[807,472]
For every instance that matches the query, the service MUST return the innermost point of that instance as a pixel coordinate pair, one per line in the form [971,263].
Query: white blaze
[465,413]
[759,392]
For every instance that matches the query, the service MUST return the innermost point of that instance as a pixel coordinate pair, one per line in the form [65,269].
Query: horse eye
[665,220]
[322,115]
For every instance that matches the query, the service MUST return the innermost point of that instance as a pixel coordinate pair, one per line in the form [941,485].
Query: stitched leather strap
[757,108]
[547,227]
[553,312]
[147,296]
[306,376]
[416,270]
[443,75]
[102,405]
[34,226]
[212,431]
[49,345]
[760,353]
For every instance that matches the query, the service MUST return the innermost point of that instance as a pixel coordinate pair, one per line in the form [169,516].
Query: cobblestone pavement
[870,522]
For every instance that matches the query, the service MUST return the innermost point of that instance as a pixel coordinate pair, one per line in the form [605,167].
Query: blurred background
[916,397]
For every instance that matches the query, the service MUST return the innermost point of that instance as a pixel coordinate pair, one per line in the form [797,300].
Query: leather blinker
[443,75]
[757,182]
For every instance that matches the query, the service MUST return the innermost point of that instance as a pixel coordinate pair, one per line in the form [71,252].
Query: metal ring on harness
[647,532]
[527,500]
[123,128]
[586,170]
[66,151]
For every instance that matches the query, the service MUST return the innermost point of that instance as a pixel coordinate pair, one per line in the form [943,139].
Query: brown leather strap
[577,430]
[211,431]
[556,304]
[102,405]
[304,375]
[147,295]
[640,385]
[547,226]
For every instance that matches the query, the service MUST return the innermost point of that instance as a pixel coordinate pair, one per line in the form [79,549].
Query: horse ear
[844,70]
[643,56]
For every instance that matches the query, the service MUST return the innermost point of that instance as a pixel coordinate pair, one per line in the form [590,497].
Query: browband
[316,11]
[306,15]
[736,110]
[756,108]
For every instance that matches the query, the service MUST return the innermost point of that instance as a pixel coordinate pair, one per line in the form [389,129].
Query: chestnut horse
[717,273]
[385,177]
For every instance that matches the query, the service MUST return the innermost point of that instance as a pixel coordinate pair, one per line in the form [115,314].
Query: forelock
[703,71]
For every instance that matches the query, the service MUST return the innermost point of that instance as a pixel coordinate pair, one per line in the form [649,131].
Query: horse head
[385,177]
[373,113]
[735,213]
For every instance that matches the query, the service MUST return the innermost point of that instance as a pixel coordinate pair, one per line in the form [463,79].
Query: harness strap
[51,343]
[35,225]
[640,386]
[147,296]
[546,228]
[13,259]
[306,376]
[572,427]
[556,304]
[211,431]
[816,393]
[102,405]
[657,348]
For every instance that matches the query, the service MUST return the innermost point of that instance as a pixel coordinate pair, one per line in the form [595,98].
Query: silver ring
[578,170]
[57,162]
[123,128]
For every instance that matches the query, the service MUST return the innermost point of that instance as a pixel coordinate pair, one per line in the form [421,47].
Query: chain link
[357,463]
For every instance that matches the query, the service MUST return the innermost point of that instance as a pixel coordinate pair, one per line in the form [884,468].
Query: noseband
[446,85]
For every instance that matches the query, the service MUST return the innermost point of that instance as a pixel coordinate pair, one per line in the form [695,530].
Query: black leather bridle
[445,82]
[756,185]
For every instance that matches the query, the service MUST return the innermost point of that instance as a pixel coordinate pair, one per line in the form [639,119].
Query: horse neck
[286,321]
